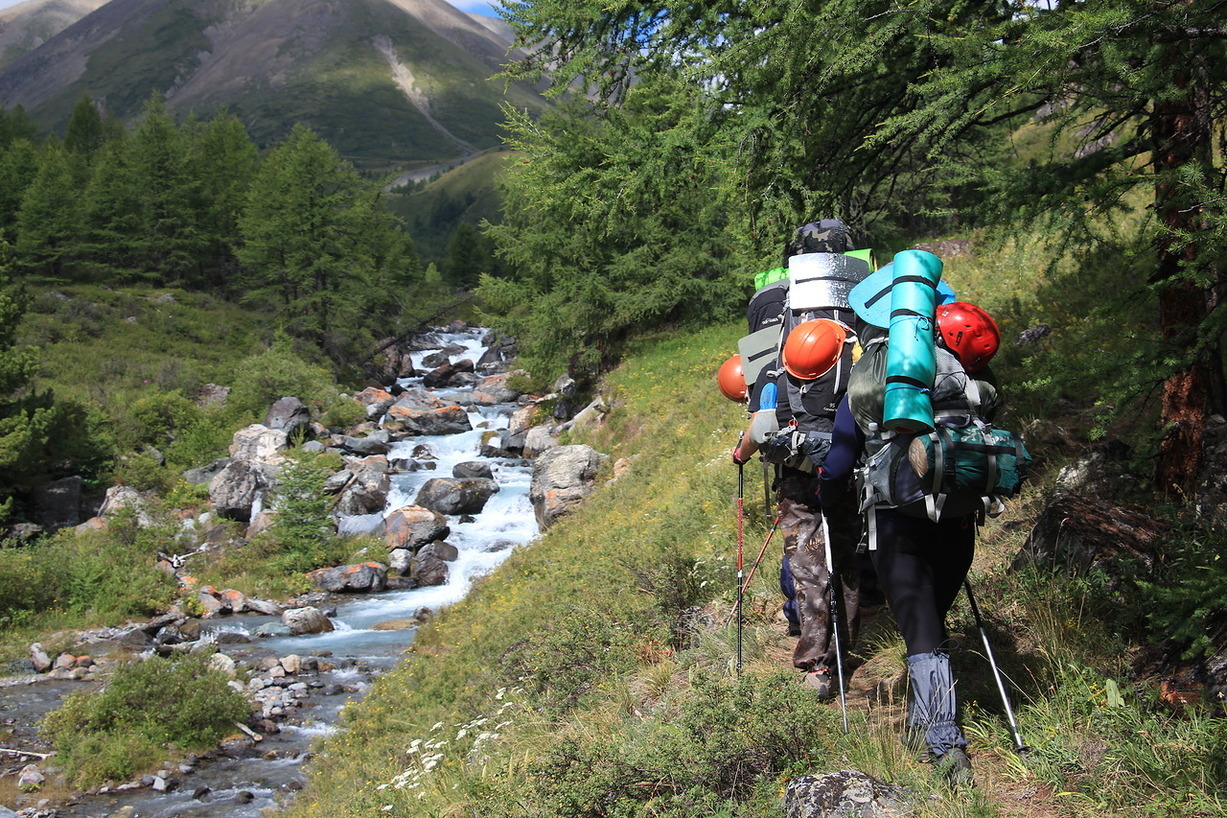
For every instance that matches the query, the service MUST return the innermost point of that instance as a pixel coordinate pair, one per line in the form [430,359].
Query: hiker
[921,562]
[792,402]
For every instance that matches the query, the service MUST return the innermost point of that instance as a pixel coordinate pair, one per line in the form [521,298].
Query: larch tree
[870,109]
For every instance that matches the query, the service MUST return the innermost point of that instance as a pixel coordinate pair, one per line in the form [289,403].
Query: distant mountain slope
[390,83]
[26,26]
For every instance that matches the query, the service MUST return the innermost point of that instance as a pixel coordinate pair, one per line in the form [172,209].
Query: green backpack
[965,465]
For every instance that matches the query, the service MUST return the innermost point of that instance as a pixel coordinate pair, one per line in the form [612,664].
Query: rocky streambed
[453,470]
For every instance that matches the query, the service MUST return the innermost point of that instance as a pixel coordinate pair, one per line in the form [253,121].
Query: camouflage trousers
[802,531]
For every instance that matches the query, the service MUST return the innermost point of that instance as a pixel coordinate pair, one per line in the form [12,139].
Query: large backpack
[819,283]
[965,465]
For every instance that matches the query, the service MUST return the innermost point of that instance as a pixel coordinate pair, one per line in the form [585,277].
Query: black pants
[921,566]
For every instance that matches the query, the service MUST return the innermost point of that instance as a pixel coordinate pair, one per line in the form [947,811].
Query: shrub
[122,728]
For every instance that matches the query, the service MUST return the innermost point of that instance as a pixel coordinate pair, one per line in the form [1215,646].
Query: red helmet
[731,379]
[969,332]
[813,347]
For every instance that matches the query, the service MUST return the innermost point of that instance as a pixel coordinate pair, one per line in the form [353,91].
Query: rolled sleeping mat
[819,280]
[911,349]
[870,299]
[758,349]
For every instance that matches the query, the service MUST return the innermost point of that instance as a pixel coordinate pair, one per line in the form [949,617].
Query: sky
[475,6]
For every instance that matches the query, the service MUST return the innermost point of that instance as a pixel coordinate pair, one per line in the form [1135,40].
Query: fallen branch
[24,753]
[256,736]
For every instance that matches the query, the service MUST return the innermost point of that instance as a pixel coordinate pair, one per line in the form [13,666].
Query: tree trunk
[1182,135]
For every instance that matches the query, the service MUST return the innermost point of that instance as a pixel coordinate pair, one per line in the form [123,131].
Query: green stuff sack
[979,460]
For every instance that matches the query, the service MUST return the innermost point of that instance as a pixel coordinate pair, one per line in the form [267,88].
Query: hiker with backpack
[793,401]
[898,432]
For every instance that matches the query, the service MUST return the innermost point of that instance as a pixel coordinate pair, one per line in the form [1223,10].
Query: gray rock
[204,474]
[258,442]
[456,495]
[289,414]
[306,620]
[844,794]
[563,477]
[412,527]
[236,488]
[539,439]
[363,577]
[374,443]
[473,468]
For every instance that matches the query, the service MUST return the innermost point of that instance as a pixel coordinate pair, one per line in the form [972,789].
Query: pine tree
[48,217]
[25,426]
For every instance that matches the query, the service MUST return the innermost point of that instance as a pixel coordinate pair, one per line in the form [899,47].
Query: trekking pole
[754,567]
[839,654]
[741,484]
[1019,746]
[766,490]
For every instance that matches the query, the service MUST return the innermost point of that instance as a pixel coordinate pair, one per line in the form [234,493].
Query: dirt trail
[877,689]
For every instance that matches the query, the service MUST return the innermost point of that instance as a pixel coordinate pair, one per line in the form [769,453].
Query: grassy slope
[561,685]
[661,529]
[466,193]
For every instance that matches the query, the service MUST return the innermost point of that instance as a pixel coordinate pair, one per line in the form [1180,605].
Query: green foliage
[728,739]
[316,245]
[277,372]
[1110,750]
[1182,601]
[302,526]
[97,575]
[126,726]
[597,251]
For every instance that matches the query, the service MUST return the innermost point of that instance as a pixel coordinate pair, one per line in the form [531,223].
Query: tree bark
[1181,135]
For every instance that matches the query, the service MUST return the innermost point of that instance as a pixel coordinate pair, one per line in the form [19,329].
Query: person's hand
[737,458]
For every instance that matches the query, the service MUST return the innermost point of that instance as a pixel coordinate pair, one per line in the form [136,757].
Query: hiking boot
[954,767]
[820,682]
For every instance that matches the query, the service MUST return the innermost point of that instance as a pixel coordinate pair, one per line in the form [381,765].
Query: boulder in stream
[463,495]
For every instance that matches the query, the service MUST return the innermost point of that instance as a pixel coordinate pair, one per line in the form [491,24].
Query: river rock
[456,495]
[844,794]
[365,493]
[427,569]
[363,577]
[30,778]
[563,477]
[523,419]
[500,352]
[399,559]
[259,443]
[412,527]
[289,415]
[418,412]
[376,400]
[539,439]
[306,620]
[374,443]
[39,658]
[473,468]
[236,488]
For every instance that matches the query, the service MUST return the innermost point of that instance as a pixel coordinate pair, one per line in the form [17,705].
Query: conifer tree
[48,217]
[24,426]
[867,108]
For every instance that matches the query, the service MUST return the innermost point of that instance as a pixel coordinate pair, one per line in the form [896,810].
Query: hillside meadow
[594,674]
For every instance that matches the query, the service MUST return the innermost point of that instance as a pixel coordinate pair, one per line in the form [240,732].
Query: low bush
[126,726]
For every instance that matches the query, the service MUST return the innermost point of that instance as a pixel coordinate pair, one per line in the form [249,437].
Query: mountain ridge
[390,83]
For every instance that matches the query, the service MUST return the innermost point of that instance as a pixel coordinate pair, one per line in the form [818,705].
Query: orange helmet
[731,379]
[969,332]
[813,347]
